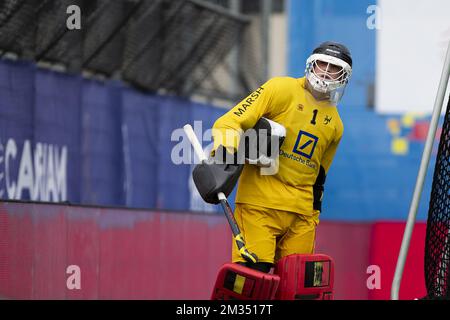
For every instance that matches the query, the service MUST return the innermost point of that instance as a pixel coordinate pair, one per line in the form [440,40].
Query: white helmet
[330,85]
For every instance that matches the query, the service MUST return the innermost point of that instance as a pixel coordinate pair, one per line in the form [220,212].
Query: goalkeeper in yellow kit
[278,214]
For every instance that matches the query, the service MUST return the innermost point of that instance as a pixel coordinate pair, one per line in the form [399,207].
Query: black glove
[217,175]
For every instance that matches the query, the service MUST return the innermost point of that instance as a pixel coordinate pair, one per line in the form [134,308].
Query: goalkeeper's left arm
[228,129]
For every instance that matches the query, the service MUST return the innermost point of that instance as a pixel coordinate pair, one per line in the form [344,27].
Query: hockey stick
[250,257]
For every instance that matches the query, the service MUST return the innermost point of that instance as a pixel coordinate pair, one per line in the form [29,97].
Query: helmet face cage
[323,80]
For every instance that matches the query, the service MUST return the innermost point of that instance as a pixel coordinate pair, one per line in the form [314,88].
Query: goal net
[437,243]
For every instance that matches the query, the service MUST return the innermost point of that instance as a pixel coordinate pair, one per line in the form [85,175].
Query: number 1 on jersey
[313,121]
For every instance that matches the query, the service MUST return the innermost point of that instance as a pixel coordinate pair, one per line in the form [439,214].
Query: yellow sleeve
[229,127]
[328,156]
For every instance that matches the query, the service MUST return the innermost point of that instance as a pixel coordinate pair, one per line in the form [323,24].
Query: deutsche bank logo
[305,144]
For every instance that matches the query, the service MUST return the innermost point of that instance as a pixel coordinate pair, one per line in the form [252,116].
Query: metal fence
[152,44]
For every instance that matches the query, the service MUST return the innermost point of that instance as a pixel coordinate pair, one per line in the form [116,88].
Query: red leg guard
[241,283]
[305,277]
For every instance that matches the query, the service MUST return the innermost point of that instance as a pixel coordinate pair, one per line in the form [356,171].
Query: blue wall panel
[173,179]
[57,117]
[16,122]
[366,180]
[101,160]
[140,148]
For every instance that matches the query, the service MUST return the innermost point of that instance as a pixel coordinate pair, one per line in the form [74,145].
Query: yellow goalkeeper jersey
[313,132]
